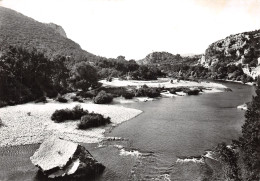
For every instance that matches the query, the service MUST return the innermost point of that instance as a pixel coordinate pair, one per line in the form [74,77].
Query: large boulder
[60,158]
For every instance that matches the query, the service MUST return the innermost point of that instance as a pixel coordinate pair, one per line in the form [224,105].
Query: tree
[83,76]
[250,139]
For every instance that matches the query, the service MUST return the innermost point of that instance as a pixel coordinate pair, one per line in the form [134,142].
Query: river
[168,129]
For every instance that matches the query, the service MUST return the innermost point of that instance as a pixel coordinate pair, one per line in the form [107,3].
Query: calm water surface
[169,128]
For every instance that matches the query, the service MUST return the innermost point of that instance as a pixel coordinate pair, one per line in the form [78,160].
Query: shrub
[87,94]
[76,99]
[149,92]
[3,103]
[61,99]
[93,120]
[128,95]
[193,92]
[66,114]
[103,98]
[152,92]
[41,99]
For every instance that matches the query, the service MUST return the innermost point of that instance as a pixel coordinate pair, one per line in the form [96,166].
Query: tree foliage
[250,139]
[28,75]
[83,76]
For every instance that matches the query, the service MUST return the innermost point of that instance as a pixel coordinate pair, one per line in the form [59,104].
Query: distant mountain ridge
[166,58]
[19,30]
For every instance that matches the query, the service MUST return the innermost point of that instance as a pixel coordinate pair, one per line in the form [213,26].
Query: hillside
[167,58]
[242,48]
[19,30]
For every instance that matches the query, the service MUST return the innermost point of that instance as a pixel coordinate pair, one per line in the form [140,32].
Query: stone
[57,158]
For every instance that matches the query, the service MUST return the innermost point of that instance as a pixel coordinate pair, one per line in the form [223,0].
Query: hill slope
[242,48]
[19,30]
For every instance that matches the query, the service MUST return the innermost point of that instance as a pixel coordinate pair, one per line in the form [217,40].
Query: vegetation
[27,76]
[30,75]
[249,142]
[83,76]
[62,99]
[41,99]
[103,98]
[229,160]
[148,92]
[21,31]
[66,114]
[76,99]
[243,161]
[93,120]
[128,94]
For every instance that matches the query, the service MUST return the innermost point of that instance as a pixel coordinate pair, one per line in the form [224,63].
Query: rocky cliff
[241,48]
[57,29]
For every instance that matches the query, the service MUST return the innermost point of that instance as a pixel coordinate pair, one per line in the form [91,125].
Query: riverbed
[168,129]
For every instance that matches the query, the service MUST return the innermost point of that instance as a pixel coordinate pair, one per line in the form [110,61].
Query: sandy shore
[21,128]
[164,82]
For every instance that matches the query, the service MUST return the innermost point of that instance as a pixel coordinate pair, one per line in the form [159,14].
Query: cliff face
[57,29]
[241,48]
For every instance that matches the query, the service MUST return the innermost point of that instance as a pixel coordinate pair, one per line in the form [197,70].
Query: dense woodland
[29,75]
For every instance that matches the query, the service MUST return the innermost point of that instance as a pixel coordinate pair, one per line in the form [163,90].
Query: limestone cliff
[240,48]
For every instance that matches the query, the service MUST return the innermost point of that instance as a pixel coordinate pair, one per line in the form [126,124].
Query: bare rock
[59,158]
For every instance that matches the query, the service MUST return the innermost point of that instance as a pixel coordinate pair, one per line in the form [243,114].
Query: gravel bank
[30,123]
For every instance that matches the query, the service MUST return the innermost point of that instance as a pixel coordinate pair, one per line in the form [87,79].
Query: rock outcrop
[59,158]
[241,48]
[57,29]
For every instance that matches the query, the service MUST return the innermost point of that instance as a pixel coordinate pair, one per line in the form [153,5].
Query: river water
[168,129]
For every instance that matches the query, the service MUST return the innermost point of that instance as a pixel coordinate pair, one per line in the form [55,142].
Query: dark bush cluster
[193,92]
[103,98]
[41,99]
[61,99]
[66,114]
[76,99]
[179,89]
[87,94]
[148,91]
[128,95]
[93,120]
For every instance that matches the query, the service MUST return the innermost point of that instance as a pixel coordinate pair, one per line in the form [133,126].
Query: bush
[93,120]
[66,114]
[128,95]
[152,92]
[41,99]
[87,94]
[76,99]
[193,92]
[149,92]
[62,99]
[179,89]
[103,98]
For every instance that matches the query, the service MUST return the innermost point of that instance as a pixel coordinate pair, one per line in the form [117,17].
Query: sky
[135,28]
